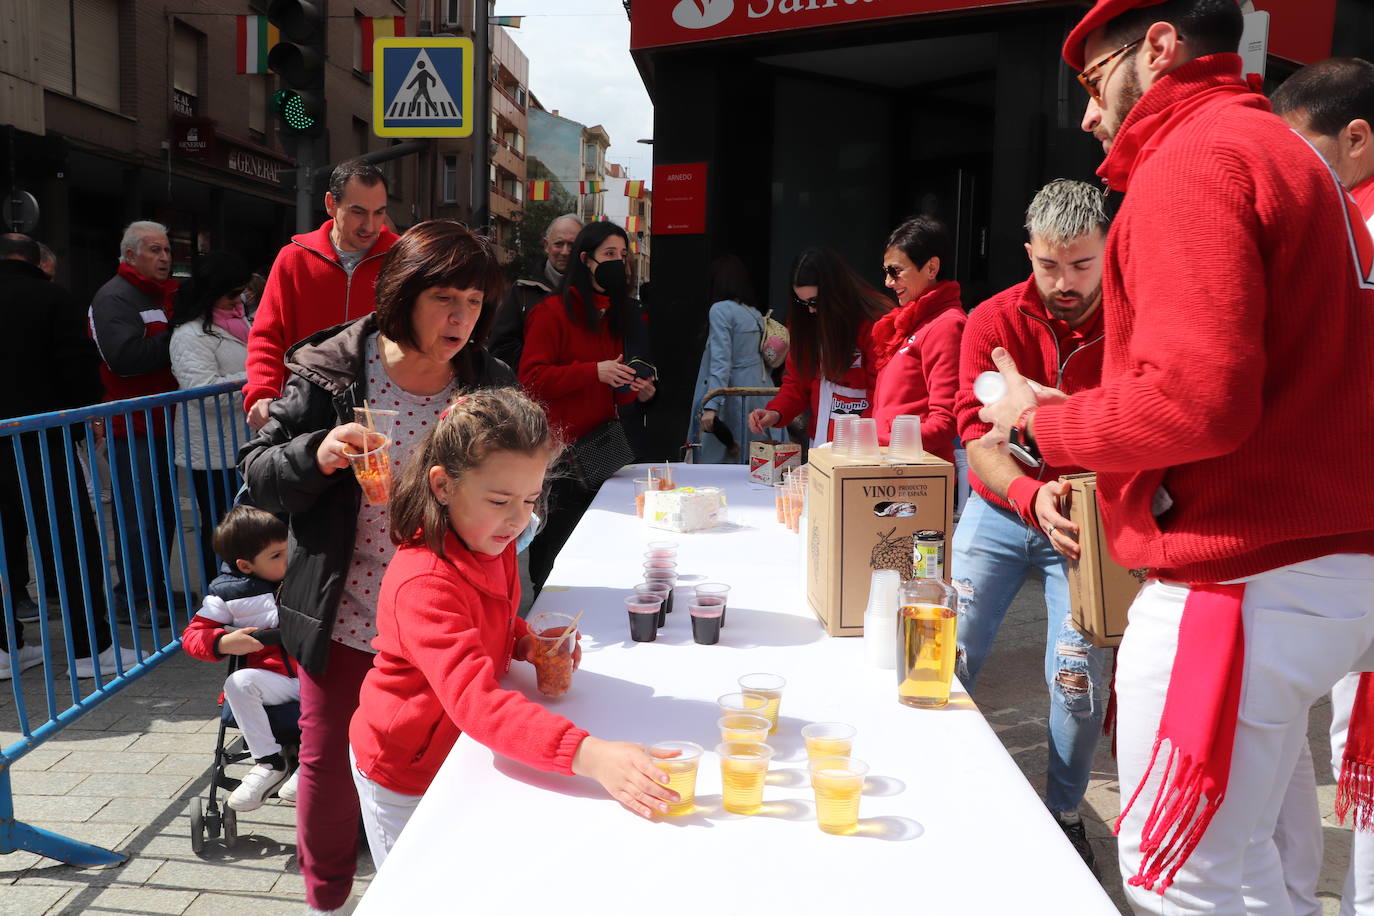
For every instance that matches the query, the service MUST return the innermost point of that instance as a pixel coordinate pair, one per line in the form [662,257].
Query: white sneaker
[85,667]
[28,657]
[254,788]
[287,791]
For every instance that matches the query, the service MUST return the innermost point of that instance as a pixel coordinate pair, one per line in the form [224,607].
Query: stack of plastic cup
[905,444]
[843,442]
[864,445]
[880,619]
[662,578]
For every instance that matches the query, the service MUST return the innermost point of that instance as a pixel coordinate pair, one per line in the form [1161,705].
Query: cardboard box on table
[861,517]
[1100,589]
[768,461]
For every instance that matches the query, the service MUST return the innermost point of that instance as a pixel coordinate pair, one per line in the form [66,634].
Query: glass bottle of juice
[926,630]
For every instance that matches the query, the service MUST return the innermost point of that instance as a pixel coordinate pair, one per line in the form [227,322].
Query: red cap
[1101,14]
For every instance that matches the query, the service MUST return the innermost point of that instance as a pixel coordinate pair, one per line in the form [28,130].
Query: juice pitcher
[926,630]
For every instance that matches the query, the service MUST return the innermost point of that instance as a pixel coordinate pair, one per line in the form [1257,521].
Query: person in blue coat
[731,359]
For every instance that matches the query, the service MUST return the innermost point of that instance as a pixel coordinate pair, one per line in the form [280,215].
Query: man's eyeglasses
[805,303]
[893,271]
[1088,78]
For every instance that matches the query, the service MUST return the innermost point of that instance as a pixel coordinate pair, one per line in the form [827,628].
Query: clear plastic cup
[641,485]
[660,563]
[661,550]
[742,727]
[551,655]
[377,420]
[715,590]
[661,590]
[828,739]
[839,784]
[661,475]
[372,469]
[743,772]
[644,609]
[770,687]
[865,443]
[905,442]
[749,704]
[682,772]
[843,441]
[706,616]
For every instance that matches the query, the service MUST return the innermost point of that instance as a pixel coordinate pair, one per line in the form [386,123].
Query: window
[453,12]
[79,52]
[448,179]
[186,57]
[56,49]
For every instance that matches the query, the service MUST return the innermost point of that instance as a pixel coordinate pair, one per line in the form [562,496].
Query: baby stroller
[207,817]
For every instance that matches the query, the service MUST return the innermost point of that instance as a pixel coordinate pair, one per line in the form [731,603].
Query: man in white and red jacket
[319,279]
[1233,308]
[1012,526]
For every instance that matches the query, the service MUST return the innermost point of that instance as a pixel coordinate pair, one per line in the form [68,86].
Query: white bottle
[880,619]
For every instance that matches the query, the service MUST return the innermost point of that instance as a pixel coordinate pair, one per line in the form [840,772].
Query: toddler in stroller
[239,618]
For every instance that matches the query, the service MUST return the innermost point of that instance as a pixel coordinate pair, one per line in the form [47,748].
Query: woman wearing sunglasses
[829,366]
[916,345]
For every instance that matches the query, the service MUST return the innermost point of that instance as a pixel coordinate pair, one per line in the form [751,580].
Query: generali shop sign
[1300,30]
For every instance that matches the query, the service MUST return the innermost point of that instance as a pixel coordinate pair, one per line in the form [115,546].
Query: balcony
[506,107]
[503,157]
[503,205]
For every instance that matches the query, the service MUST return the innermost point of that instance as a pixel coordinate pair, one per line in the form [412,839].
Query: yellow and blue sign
[422,87]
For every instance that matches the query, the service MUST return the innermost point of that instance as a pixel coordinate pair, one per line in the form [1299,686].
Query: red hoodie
[446,628]
[558,367]
[916,355]
[802,391]
[308,290]
[1045,349]
[1235,329]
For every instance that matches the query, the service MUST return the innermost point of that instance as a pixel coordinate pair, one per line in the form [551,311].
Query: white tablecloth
[948,825]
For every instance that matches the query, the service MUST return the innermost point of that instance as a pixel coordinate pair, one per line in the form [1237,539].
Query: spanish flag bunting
[589,187]
[632,224]
[634,246]
[374,27]
[510,22]
[634,189]
[539,190]
[256,37]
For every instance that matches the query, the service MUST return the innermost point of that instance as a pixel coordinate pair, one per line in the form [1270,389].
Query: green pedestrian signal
[294,111]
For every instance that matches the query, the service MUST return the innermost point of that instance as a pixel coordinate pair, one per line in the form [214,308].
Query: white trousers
[385,813]
[247,691]
[1306,626]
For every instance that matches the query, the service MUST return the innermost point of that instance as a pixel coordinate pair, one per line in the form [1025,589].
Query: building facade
[571,155]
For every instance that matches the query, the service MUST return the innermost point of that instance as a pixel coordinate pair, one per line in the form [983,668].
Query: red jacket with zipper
[1239,298]
[1046,350]
[558,367]
[307,291]
[801,390]
[916,355]
[446,630]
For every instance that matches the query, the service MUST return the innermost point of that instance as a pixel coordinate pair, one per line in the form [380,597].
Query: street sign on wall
[422,87]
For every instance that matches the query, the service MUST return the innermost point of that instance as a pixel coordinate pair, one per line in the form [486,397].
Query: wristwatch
[1020,443]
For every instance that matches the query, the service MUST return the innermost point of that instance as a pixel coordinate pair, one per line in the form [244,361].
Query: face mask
[610,276]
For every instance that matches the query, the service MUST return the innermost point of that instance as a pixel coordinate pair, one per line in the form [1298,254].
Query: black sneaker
[1078,836]
[26,610]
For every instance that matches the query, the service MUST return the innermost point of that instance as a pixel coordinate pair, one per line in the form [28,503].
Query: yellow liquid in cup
[682,779]
[817,748]
[837,800]
[770,708]
[742,782]
[746,734]
[928,650]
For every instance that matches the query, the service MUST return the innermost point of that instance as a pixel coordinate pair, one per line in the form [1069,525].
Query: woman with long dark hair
[437,294]
[829,365]
[575,363]
[209,346]
[731,359]
[916,345]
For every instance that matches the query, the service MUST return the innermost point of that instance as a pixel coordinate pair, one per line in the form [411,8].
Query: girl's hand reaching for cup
[332,455]
[627,772]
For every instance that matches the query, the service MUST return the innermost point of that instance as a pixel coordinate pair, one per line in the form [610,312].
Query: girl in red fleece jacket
[830,369]
[447,626]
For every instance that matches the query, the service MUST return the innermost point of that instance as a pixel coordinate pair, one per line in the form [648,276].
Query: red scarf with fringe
[1355,788]
[1199,722]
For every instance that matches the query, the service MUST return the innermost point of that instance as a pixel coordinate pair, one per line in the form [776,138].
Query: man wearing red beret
[1233,447]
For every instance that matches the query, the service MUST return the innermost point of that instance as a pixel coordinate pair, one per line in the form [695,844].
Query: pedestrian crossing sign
[422,87]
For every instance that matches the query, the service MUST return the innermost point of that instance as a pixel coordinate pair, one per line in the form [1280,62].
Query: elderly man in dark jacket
[47,363]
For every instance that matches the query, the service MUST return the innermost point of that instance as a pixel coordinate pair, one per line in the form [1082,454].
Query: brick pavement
[124,775]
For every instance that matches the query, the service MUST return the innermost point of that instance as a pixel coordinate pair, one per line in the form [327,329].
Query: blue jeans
[994,552]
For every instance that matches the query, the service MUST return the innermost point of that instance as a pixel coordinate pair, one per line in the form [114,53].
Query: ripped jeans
[994,552]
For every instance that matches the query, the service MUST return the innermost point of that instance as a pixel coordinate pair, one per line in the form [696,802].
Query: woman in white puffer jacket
[209,346]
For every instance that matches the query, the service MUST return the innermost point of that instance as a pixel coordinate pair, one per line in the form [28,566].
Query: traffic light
[299,60]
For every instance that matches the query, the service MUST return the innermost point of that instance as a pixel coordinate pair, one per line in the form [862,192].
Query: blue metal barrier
[74,552]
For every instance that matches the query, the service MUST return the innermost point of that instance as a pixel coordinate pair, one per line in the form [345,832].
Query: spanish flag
[510,22]
[256,37]
[589,187]
[634,189]
[373,27]
[634,246]
[634,224]
[539,190]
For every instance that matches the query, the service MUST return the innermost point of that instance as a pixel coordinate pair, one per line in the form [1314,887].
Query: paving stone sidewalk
[123,777]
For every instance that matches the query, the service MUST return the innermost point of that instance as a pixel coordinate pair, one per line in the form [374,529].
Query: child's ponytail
[474,426]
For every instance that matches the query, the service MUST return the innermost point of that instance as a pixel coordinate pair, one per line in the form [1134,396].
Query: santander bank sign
[667,22]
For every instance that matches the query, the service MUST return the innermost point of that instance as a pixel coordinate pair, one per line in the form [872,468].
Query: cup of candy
[555,639]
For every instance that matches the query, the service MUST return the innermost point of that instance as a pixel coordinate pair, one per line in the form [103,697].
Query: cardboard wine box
[862,517]
[768,461]
[1100,589]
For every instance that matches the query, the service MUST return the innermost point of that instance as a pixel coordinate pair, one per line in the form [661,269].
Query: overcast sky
[579,53]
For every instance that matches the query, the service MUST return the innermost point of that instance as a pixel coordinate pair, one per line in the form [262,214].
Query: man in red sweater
[1231,310]
[1331,104]
[1012,526]
[320,279]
